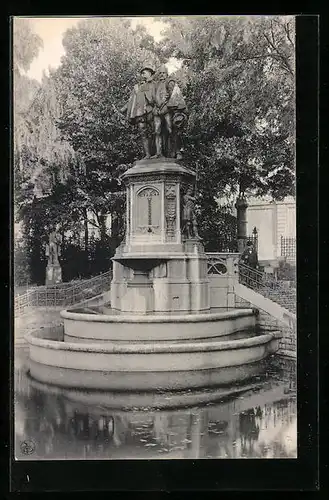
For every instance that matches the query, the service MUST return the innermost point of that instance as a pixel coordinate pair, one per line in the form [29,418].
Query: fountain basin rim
[160,256]
[164,318]
[115,347]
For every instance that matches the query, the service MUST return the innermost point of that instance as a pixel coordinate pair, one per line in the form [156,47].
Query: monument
[161,265]
[53,252]
[164,327]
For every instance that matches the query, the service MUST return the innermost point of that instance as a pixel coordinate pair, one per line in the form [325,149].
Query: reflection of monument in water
[54,429]
[249,431]
[159,330]
[74,424]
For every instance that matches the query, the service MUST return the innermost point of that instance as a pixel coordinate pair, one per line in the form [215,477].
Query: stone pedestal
[138,296]
[53,274]
[155,269]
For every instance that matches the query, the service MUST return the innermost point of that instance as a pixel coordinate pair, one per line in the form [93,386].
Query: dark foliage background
[71,143]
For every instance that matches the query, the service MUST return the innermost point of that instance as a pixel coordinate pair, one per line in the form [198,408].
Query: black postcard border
[199,475]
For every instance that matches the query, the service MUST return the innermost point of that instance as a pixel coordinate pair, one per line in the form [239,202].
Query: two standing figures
[157,107]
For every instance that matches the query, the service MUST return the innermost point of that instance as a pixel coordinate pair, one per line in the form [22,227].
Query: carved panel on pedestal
[148,211]
[170,211]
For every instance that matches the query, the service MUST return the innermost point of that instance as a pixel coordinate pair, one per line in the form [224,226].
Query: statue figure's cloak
[168,97]
[176,100]
[141,101]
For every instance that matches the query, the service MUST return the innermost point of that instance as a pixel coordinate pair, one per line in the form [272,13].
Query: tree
[26,46]
[46,157]
[101,65]
[46,163]
[239,86]
[43,161]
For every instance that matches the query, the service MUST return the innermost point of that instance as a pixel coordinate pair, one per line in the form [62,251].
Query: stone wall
[285,297]
[288,343]
[273,220]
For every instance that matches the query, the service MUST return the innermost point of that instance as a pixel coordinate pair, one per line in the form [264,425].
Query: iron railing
[253,238]
[250,277]
[225,264]
[268,286]
[288,247]
[64,294]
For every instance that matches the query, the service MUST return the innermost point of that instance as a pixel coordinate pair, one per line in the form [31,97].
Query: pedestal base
[156,269]
[138,296]
[53,274]
[175,282]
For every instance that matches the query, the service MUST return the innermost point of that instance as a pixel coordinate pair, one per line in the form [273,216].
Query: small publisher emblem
[27,447]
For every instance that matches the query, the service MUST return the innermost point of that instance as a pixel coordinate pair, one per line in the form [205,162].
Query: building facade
[276,225]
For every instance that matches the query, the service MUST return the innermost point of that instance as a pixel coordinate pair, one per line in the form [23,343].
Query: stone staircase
[275,302]
[268,287]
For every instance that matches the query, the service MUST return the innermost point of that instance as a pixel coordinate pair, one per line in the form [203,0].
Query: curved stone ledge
[135,318]
[196,360]
[147,359]
[142,328]
[152,347]
[158,255]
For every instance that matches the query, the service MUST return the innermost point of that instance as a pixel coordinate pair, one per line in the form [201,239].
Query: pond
[257,419]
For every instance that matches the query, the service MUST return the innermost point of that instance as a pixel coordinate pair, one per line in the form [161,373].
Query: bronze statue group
[157,107]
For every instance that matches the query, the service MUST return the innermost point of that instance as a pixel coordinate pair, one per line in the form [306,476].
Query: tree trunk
[102,226]
[86,241]
[114,225]
[86,234]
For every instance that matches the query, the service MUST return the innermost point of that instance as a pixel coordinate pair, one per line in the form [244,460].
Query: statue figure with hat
[140,107]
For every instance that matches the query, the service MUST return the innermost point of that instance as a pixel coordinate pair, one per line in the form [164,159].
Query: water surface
[259,421]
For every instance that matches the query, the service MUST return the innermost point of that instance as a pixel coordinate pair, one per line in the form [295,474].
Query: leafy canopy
[240,90]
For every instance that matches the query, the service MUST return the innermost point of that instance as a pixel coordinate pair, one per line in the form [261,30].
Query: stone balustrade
[223,274]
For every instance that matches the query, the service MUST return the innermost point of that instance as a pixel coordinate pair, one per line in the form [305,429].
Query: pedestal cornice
[159,167]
